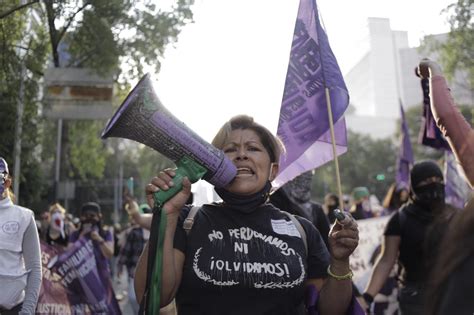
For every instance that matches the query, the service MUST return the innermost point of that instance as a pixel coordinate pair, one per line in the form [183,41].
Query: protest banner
[362,262]
[53,298]
[76,281]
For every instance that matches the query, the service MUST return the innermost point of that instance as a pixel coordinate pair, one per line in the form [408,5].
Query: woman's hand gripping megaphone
[172,187]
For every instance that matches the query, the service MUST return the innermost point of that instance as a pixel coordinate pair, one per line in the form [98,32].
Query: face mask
[57,223]
[430,195]
[246,204]
[366,205]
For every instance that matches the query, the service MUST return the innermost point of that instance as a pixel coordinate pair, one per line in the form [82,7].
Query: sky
[233,59]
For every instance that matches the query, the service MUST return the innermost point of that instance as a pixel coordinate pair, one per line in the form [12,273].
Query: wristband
[347,276]
[368,298]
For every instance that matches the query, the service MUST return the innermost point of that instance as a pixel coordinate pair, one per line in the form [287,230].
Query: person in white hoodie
[20,253]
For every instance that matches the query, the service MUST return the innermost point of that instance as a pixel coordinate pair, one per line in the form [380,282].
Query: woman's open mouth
[244,172]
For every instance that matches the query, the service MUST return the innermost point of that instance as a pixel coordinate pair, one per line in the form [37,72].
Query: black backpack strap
[189,221]
[300,229]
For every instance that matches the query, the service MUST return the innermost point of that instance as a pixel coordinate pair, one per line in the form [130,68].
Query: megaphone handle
[187,167]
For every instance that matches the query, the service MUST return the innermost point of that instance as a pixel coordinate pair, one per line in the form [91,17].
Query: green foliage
[22,60]
[87,155]
[457,52]
[100,35]
[365,159]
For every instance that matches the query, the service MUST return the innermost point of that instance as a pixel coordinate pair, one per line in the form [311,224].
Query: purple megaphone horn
[143,118]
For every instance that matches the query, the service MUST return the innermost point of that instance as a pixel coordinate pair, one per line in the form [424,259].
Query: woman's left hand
[343,238]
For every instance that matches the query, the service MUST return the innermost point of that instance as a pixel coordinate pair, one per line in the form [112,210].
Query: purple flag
[457,189]
[405,153]
[430,135]
[304,123]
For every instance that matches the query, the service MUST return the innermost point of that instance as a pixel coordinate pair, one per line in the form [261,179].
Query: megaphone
[143,118]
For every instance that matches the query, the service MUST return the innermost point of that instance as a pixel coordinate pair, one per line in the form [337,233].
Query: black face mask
[91,222]
[429,196]
[245,203]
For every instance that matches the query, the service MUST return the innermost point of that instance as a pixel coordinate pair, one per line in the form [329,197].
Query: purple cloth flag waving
[304,123]
[405,153]
[430,135]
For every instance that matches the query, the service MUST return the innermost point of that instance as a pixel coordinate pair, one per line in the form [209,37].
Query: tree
[456,53]
[103,34]
[24,52]
[95,34]
[359,167]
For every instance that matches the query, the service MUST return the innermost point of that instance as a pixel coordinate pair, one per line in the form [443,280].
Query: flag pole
[333,141]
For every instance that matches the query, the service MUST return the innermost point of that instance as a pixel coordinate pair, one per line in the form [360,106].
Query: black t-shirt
[246,263]
[412,249]
[320,220]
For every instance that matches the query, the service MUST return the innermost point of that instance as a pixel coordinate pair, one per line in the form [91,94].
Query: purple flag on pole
[430,135]
[304,123]
[405,153]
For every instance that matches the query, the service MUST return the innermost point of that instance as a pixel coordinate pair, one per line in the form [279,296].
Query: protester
[295,197]
[116,231]
[450,121]
[360,208]
[396,196]
[136,238]
[452,280]
[59,229]
[270,268]
[406,238]
[331,203]
[20,254]
[92,246]
[91,226]
[346,199]
[45,218]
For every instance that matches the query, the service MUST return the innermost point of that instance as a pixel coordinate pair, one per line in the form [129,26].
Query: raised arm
[449,119]
[142,219]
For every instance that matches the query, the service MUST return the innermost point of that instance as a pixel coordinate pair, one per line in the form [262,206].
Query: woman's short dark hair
[272,144]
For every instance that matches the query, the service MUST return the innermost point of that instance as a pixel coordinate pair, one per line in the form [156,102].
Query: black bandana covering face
[429,196]
[245,203]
